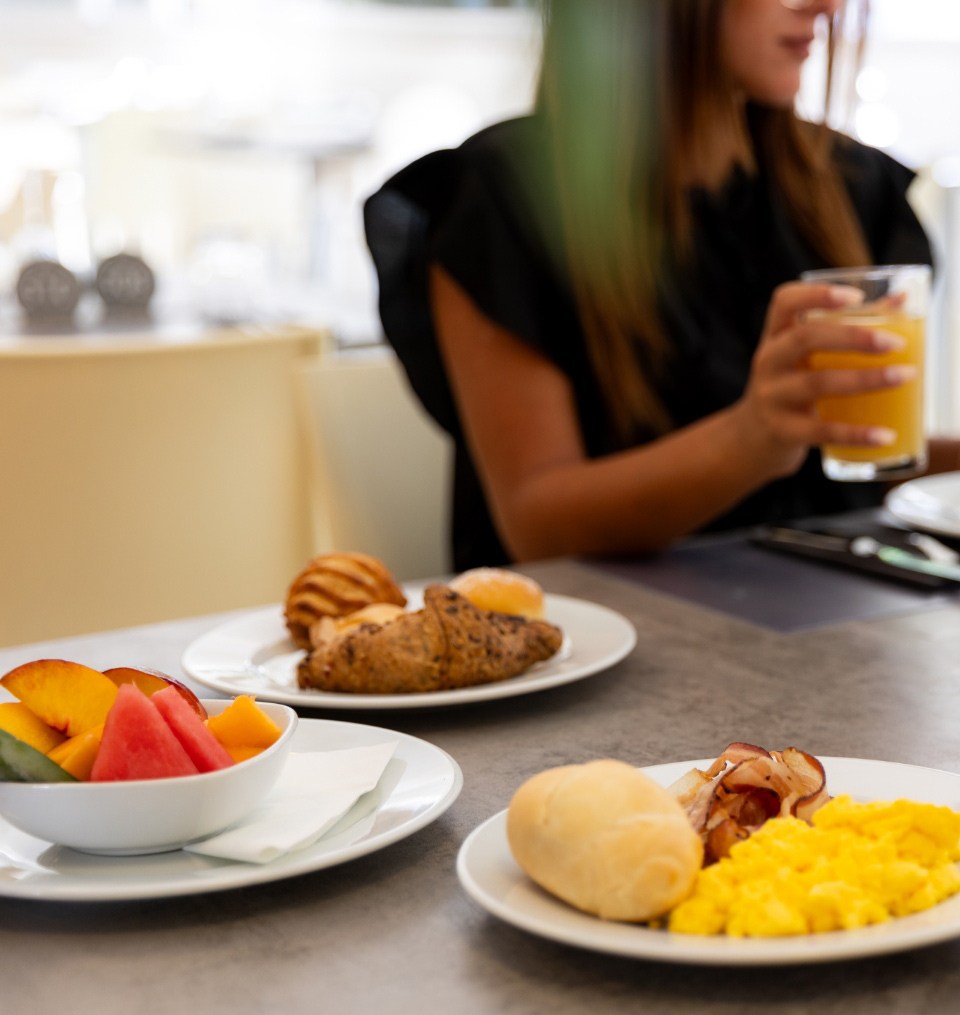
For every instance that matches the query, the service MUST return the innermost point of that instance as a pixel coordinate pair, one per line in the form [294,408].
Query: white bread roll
[495,588]
[605,838]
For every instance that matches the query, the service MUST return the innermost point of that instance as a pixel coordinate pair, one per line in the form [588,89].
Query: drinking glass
[895,299]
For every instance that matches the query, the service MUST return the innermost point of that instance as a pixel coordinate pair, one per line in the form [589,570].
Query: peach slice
[19,720]
[78,754]
[68,696]
[151,681]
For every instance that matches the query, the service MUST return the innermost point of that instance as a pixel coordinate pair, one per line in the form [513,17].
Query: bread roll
[494,588]
[605,838]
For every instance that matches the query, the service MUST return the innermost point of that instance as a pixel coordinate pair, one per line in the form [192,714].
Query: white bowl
[149,815]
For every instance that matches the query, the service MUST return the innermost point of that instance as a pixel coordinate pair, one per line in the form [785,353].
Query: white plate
[253,654]
[488,873]
[420,783]
[931,503]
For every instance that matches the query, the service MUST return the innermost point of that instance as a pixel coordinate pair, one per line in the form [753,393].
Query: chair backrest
[144,480]
[381,467]
[935,197]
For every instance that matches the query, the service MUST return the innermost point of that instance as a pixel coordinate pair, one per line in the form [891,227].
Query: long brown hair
[634,93]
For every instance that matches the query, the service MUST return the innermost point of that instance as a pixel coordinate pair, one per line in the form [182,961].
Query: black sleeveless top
[481,213]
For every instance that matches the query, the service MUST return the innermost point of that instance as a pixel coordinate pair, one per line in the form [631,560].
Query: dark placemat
[769,588]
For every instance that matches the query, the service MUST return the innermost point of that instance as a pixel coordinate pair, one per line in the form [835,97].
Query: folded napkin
[315,790]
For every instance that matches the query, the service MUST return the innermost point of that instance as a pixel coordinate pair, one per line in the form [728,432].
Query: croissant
[335,585]
[450,643]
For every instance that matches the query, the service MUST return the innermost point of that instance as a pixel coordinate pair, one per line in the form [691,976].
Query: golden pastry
[335,585]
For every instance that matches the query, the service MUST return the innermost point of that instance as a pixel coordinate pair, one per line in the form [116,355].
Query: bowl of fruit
[129,760]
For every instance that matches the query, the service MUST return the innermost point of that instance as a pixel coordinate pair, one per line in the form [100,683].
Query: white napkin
[315,790]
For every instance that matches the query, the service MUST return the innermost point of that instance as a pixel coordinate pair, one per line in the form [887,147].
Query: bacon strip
[745,787]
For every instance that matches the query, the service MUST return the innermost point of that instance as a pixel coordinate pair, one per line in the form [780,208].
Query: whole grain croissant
[448,644]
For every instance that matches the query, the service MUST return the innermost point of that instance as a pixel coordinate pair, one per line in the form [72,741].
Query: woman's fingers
[803,429]
[791,301]
[794,346]
[800,388]
[793,369]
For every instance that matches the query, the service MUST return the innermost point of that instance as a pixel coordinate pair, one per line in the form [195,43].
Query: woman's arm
[549,499]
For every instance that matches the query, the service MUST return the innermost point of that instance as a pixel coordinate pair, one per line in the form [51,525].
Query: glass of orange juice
[895,300]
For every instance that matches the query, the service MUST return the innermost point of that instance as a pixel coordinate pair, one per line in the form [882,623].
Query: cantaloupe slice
[205,751]
[78,754]
[137,743]
[243,724]
[243,753]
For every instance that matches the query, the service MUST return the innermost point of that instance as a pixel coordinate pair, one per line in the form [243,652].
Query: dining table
[735,642]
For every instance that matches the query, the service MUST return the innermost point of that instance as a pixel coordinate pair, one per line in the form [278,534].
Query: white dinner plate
[490,875]
[253,654]
[420,783]
[931,503]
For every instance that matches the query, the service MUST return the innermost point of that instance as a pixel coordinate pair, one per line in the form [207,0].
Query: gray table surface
[394,932]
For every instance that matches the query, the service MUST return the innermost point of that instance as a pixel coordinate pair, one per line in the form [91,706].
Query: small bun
[605,838]
[494,588]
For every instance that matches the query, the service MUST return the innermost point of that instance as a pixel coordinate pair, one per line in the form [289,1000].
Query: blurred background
[229,144]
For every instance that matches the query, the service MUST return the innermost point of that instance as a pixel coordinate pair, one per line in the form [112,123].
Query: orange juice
[900,408]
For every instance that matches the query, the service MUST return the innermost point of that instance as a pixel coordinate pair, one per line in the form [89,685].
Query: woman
[597,301]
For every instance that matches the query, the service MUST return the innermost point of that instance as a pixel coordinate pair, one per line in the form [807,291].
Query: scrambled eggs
[857,864]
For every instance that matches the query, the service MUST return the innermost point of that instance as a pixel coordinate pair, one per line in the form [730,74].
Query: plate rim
[203,875]
[516,686]
[894,503]
[639,942]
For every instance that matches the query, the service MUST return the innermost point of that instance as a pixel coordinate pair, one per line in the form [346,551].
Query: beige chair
[935,197]
[145,480]
[380,467]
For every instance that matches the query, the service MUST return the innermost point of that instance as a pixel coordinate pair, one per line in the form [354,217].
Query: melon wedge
[244,728]
[151,681]
[243,753]
[78,754]
[137,743]
[19,762]
[205,751]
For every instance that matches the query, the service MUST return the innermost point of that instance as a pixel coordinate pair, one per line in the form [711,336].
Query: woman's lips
[798,46]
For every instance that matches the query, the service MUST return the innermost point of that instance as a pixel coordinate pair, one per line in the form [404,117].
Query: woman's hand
[778,408]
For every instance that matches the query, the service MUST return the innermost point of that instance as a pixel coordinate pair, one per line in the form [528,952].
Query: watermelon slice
[205,751]
[137,743]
